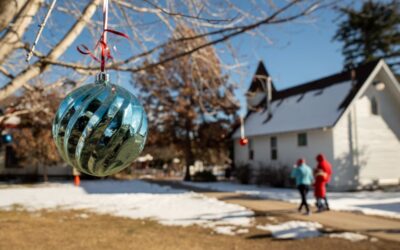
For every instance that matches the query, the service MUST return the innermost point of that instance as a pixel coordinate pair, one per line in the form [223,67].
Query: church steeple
[257,92]
[259,78]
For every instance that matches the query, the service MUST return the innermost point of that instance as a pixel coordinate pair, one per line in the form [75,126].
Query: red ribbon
[105,50]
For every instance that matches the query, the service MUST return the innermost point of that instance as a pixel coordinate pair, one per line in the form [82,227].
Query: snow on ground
[132,199]
[228,230]
[368,202]
[354,237]
[303,229]
[293,230]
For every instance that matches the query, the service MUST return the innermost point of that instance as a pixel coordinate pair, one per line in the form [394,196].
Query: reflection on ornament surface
[100,128]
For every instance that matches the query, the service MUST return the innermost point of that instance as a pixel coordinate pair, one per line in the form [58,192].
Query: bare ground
[83,230]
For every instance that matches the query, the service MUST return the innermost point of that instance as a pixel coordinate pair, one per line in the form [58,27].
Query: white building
[352,117]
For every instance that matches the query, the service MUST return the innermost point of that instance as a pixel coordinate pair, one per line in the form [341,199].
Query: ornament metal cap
[102,77]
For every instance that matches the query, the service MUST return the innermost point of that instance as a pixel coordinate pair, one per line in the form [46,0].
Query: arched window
[374,106]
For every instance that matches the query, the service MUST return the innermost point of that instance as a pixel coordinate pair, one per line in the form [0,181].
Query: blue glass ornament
[100,128]
[7,138]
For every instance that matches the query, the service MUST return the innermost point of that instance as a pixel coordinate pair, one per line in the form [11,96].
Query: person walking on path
[319,188]
[326,167]
[304,177]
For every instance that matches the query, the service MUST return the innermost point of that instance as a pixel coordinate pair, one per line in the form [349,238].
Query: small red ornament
[243,141]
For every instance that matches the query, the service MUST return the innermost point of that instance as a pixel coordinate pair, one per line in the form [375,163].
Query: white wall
[240,154]
[379,136]
[346,170]
[319,141]
[367,146]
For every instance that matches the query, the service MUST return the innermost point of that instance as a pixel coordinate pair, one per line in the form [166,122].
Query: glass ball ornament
[100,128]
[243,141]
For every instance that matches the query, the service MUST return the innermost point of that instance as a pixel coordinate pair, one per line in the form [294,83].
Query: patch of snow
[230,230]
[354,237]
[133,199]
[373,239]
[367,202]
[271,218]
[83,216]
[227,230]
[242,231]
[293,230]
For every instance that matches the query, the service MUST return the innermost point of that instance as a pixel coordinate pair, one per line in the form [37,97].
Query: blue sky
[299,52]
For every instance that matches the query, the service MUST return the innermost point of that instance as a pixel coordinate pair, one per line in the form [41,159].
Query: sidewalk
[380,227]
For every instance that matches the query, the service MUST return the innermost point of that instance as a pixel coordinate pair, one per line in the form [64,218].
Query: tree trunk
[189,158]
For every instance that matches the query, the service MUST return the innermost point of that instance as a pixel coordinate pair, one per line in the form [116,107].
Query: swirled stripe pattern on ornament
[100,129]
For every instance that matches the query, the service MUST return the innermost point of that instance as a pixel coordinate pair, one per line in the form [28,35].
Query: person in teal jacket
[304,178]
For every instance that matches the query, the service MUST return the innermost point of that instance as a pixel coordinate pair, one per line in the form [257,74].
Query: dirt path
[380,227]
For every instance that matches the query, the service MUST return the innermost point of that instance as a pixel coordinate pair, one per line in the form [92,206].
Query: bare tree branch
[143,43]
[42,25]
[197,17]
[232,32]
[13,35]
[57,51]
[5,72]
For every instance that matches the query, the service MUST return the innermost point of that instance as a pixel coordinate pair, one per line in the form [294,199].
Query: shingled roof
[315,104]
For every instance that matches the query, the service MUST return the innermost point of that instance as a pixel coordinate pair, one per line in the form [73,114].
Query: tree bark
[39,67]
[8,10]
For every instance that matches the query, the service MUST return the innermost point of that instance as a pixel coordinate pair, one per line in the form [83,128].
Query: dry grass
[68,230]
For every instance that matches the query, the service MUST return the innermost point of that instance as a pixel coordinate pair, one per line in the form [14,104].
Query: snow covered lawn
[142,200]
[304,229]
[374,203]
[293,230]
[133,199]
[354,237]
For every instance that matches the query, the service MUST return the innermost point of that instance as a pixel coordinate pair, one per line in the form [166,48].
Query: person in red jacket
[320,178]
[326,167]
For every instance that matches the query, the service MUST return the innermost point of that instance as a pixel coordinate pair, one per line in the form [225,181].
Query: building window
[374,106]
[274,148]
[302,139]
[251,151]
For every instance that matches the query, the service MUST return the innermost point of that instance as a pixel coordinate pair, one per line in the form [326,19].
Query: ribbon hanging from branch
[102,42]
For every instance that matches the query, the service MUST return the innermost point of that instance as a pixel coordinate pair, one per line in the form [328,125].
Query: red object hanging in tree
[243,141]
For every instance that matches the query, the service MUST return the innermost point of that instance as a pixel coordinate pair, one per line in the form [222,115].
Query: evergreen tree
[371,33]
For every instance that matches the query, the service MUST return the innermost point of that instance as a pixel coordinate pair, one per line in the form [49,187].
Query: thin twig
[29,56]
[189,16]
